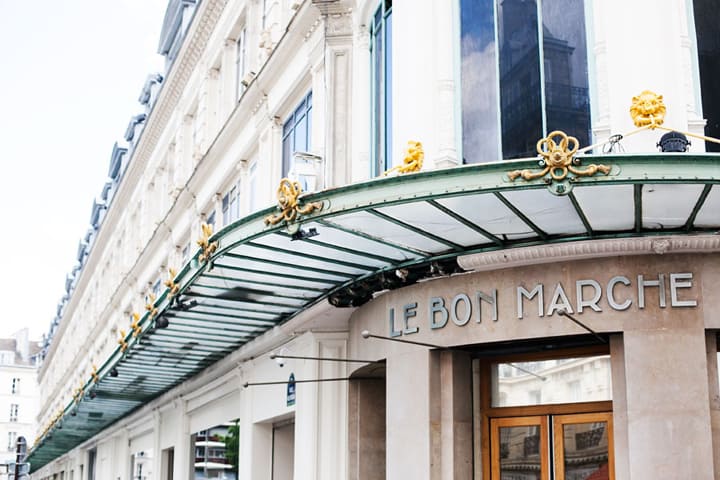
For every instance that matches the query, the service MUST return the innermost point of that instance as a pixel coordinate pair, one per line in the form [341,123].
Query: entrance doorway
[545,414]
[552,447]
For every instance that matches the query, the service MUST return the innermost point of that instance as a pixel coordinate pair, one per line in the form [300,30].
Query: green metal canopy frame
[366,237]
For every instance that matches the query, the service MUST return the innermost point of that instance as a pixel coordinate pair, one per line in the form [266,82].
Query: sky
[71,72]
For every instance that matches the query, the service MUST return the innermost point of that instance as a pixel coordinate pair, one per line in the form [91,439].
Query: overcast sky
[70,77]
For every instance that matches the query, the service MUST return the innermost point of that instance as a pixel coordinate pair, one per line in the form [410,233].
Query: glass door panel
[519,448]
[583,447]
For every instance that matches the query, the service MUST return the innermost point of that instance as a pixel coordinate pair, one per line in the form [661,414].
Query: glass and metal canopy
[345,244]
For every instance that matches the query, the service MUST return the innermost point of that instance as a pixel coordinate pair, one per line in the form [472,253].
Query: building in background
[320,180]
[19,393]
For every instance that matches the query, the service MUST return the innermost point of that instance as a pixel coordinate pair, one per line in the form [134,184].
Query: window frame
[240,62]
[300,115]
[381,89]
[484,412]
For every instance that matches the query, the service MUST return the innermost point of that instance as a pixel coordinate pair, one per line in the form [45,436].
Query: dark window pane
[520,453]
[381,57]
[388,92]
[567,101]
[479,82]
[586,451]
[378,94]
[520,101]
[707,19]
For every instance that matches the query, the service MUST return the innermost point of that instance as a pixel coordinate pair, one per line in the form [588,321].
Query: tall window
[15,386]
[252,186]
[707,18]
[240,61]
[524,74]
[231,206]
[381,58]
[297,130]
[13,412]
[12,438]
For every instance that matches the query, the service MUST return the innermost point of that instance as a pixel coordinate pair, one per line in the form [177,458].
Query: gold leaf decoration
[413,161]
[648,109]
[173,287]
[288,203]
[557,150]
[135,325]
[150,305]
[123,343]
[204,242]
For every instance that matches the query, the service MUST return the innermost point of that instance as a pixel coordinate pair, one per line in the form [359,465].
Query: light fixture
[673,142]
[180,304]
[162,322]
[301,234]
[92,394]
[113,372]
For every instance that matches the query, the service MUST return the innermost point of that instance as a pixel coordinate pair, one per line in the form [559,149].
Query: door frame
[483,390]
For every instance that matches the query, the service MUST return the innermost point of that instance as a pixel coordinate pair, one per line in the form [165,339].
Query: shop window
[524,73]
[216,451]
[92,459]
[141,465]
[381,93]
[167,465]
[297,132]
[707,18]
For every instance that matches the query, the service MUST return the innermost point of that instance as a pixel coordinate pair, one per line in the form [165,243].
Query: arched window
[524,74]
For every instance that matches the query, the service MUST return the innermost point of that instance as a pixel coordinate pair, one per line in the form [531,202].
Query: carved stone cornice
[566,252]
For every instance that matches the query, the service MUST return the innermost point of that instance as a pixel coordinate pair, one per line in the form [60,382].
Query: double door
[552,447]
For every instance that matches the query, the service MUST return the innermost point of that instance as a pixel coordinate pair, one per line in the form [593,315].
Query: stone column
[456,416]
[429,416]
[668,414]
[411,381]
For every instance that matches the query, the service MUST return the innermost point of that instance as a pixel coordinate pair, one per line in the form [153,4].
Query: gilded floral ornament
[150,306]
[78,393]
[135,325]
[173,287]
[122,342]
[557,161]
[204,243]
[648,109]
[94,374]
[288,204]
[413,161]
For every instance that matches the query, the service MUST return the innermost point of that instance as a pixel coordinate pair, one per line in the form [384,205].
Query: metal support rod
[366,334]
[322,359]
[528,372]
[564,313]
[285,382]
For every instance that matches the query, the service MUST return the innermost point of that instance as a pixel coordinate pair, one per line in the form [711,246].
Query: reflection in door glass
[586,451]
[520,453]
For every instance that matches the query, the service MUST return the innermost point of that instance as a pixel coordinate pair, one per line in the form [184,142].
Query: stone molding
[520,257]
